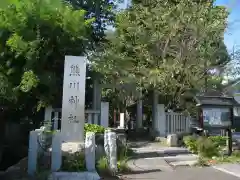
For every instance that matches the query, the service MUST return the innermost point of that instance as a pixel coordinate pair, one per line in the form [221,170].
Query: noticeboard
[217,117]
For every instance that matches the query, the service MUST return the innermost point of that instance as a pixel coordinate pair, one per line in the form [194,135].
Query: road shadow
[138,143]
[176,153]
[143,171]
[142,155]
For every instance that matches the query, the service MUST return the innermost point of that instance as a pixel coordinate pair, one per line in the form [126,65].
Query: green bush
[74,162]
[236,153]
[94,128]
[123,166]
[218,140]
[191,143]
[123,152]
[207,148]
[102,165]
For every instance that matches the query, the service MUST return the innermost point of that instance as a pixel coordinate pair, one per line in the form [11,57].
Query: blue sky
[232,34]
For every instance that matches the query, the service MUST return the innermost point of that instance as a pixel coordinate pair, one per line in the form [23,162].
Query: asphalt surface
[150,164]
[184,173]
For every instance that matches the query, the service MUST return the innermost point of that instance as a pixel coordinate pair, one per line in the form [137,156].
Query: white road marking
[227,171]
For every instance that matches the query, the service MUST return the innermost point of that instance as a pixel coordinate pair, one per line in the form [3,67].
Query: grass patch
[103,166]
[210,150]
[234,158]
[74,162]
[123,166]
[104,169]
[123,155]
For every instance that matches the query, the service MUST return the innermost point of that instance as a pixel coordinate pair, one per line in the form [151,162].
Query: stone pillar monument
[73,103]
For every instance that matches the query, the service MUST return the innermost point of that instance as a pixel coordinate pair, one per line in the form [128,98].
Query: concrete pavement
[194,173]
[232,169]
[153,162]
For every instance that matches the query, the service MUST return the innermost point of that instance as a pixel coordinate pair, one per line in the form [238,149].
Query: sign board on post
[217,117]
[73,102]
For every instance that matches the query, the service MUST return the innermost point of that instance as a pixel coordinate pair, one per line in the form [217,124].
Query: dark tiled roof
[216,100]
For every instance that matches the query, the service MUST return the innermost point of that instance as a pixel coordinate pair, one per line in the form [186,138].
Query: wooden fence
[177,123]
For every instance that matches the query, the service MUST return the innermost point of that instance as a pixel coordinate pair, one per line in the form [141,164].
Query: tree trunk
[2,132]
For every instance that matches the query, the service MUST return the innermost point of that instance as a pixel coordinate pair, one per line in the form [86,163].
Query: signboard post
[217,113]
[229,133]
[219,117]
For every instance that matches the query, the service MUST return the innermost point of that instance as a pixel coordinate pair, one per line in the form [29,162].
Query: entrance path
[150,163]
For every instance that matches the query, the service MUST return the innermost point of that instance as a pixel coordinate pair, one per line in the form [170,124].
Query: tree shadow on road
[138,144]
[143,155]
[142,171]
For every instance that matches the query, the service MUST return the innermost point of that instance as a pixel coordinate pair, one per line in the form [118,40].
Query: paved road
[233,169]
[196,173]
[150,164]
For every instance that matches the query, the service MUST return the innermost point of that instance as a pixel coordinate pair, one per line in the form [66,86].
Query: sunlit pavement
[184,173]
[151,163]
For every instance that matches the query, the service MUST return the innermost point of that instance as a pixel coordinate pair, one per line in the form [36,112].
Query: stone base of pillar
[72,147]
[75,175]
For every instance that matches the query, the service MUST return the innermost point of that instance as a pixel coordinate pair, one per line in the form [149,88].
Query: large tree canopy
[165,47]
[35,36]
[102,11]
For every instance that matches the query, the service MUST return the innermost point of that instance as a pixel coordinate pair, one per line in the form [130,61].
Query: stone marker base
[172,140]
[74,176]
[72,147]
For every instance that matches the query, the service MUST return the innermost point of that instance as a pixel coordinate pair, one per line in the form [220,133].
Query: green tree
[164,47]
[35,35]
[102,11]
